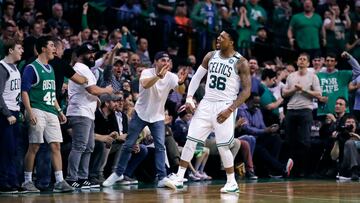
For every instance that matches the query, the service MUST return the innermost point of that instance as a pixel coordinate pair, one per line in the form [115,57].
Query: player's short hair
[234,36]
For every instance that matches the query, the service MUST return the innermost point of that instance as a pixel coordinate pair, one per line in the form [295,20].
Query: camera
[344,132]
[345,128]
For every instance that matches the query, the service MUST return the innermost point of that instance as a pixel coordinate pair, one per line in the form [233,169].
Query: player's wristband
[190,101]
[59,110]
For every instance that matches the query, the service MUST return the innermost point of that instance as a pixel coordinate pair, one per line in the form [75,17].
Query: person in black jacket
[111,126]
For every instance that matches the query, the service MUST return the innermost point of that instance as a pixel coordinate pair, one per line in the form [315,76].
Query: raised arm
[195,81]
[149,82]
[353,62]
[290,35]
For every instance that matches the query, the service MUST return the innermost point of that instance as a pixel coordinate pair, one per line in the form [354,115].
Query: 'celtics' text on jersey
[223,81]
[11,92]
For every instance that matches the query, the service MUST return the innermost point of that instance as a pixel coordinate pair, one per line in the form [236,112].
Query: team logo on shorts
[231,61]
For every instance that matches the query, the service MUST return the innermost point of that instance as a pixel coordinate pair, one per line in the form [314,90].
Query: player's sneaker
[230,188]
[175,182]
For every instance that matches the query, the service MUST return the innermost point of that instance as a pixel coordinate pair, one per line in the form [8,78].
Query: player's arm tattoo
[245,78]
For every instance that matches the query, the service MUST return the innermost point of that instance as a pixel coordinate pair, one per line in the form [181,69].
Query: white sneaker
[161,183]
[194,177]
[230,188]
[204,176]
[112,179]
[173,181]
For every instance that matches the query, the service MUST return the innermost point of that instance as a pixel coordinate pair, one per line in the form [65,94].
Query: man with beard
[43,113]
[81,113]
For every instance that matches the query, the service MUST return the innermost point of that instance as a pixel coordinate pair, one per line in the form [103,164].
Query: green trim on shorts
[195,140]
[226,143]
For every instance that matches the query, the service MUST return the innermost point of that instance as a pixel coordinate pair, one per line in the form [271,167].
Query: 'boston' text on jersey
[48,85]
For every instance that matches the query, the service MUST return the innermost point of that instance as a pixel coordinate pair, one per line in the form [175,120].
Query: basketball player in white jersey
[226,70]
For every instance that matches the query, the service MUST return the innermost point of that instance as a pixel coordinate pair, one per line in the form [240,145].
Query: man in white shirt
[81,113]
[155,85]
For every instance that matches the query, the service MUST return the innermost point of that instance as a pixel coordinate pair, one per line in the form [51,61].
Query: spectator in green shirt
[353,44]
[305,29]
[243,27]
[336,28]
[334,83]
[281,19]
[256,14]
[269,104]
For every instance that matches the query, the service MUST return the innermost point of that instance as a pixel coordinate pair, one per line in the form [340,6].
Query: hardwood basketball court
[260,191]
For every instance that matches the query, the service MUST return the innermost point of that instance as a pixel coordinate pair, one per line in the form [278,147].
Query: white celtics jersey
[11,93]
[223,81]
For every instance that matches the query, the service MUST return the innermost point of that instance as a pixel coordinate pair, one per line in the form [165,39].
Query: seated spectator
[328,130]
[351,157]
[268,143]
[111,126]
[201,155]
[244,152]
[172,150]
[106,131]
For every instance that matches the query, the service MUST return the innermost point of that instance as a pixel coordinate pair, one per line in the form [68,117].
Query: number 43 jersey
[223,81]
